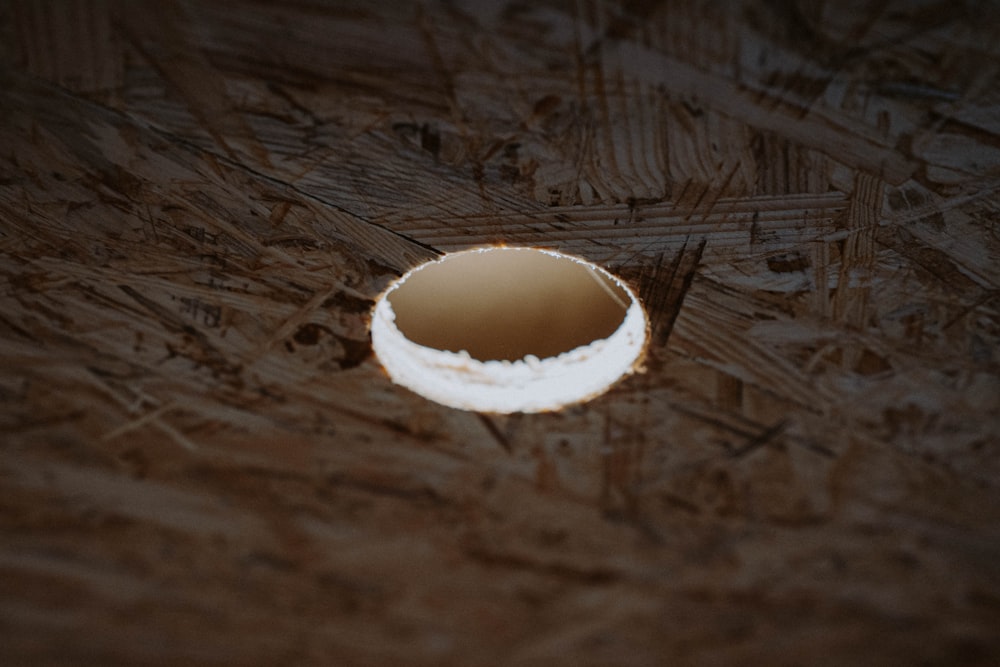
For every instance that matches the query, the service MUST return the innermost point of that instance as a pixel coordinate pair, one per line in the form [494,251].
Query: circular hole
[508,330]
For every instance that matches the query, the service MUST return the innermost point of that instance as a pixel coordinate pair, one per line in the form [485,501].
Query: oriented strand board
[203,463]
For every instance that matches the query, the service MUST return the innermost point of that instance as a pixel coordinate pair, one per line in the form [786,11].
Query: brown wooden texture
[202,462]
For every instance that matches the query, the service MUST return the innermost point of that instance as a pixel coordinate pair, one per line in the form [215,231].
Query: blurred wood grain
[203,462]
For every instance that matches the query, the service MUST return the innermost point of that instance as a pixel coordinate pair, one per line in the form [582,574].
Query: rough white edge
[527,385]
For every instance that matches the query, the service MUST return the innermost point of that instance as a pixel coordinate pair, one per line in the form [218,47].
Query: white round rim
[530,384]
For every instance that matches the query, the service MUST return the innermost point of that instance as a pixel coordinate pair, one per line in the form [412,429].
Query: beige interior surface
[505,303]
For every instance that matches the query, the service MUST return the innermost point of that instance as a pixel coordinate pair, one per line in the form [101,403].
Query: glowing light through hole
[508,330]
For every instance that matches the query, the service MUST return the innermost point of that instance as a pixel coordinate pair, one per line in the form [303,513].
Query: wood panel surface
[203,463]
